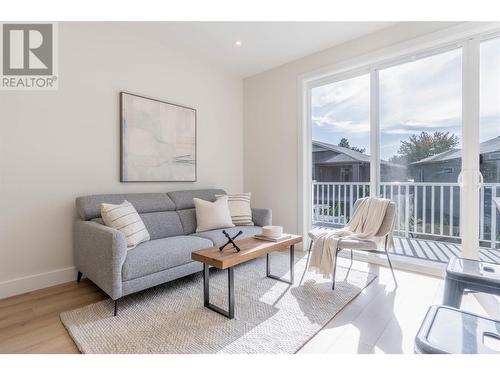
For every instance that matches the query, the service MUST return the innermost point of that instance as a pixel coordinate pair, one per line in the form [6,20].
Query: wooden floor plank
[401,250]
[444,249]
[452,249]
[492,256]
[30,323]
[495,254]
[437,251]
[418,249]
[429,254]
[485,257]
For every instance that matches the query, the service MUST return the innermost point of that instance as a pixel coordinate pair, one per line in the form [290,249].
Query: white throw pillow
[240,208]
[212,215]
[124,217]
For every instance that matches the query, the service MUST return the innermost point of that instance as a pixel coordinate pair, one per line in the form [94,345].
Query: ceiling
[264,45]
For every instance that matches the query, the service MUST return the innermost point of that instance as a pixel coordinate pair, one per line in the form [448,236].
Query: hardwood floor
[382,319]
[29,323]
[385,319]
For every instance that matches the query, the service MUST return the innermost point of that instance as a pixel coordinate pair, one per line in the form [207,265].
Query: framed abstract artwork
[158,140]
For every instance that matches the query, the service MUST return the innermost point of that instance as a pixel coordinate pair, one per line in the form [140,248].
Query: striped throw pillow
[239,207]
[125,218]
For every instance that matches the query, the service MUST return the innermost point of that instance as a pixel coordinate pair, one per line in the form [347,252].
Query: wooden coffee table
[251,248]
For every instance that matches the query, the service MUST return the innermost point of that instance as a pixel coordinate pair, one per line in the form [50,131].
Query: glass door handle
[480,180]
[460,179]
[478,183]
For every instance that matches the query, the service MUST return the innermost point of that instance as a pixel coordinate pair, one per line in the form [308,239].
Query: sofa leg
[116,307]
[79,277]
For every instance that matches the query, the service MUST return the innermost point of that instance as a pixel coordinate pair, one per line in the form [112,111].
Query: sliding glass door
[422,130]
[420,140]
[489,148]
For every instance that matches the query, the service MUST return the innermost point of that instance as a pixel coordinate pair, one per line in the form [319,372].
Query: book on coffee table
[273,239]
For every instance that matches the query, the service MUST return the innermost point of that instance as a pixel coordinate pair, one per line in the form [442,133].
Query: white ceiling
[265,45]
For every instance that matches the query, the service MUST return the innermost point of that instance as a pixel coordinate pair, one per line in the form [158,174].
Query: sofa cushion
[212,215]
[162,224]
[218,238]
[188,220]
[89,207]
[239,207]
[124,218]
[183,199]
[158,255]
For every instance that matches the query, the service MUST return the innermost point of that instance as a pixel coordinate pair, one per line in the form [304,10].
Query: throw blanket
[363,225]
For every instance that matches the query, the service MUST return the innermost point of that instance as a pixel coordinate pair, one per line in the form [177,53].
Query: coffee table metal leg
[292,263]
[230,283]
[206,285]
[206,292]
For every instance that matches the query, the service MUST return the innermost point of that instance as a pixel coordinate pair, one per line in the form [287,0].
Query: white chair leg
[309,253]
[392,270]
[390,264]
[335,268]
[307,262]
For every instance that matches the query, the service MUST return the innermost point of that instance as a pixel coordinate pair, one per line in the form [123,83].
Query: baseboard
[27,284]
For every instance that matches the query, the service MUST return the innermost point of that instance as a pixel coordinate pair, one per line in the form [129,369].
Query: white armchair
[384,232]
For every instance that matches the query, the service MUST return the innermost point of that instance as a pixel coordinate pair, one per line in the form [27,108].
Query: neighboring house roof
[486,147]
[344,155]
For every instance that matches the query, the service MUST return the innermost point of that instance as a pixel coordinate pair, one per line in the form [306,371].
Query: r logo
[27,49]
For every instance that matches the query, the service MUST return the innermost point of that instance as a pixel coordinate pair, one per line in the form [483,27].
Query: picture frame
[158,140]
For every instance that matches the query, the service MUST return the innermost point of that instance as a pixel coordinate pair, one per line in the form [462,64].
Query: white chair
[384,231]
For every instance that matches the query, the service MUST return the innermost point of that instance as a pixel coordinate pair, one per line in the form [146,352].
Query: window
[416,122]
[489,148]
[340,120]
[420,134]
[341,128]
[490,110]
[420,116]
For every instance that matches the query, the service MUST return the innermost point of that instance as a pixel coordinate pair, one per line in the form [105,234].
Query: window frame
[373,70]
[454,38]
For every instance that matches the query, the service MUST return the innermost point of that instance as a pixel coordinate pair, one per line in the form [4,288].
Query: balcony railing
[424,209]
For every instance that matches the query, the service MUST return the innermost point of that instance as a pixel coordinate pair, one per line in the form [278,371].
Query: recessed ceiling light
[238,43]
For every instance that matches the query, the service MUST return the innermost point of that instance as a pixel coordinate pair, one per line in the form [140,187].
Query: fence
[430,209]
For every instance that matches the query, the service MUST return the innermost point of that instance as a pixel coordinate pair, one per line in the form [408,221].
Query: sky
[419,95]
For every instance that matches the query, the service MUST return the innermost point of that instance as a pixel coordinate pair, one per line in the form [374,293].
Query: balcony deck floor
[431,250]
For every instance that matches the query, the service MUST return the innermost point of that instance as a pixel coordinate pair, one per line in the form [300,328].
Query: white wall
[270,135]
[55,146]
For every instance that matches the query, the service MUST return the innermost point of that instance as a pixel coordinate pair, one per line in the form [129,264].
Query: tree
[423,145]
[345,143]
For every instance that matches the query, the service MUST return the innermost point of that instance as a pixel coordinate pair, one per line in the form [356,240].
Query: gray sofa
[101,252]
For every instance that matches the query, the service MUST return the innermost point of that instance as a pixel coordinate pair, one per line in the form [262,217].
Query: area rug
[270,316]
